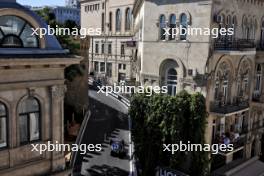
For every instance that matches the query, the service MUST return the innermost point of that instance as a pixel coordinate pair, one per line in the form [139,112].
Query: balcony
[225,109]
[234,45]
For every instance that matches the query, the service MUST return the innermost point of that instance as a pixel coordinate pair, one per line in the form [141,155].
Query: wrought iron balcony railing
[235,44]
[226,108]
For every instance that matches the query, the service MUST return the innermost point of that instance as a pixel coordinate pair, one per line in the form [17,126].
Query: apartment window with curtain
[29,120]
[3,125]
[118,20]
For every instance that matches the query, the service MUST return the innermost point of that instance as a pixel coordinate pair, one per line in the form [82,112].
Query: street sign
[169,172]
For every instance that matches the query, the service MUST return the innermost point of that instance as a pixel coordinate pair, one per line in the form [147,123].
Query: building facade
[110,58]
[228,70]
[31,93]
[62,14]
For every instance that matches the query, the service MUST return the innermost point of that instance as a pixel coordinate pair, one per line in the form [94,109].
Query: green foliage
[163,119]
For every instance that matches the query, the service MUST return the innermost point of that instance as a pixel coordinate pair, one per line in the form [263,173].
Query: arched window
[172,81]
[172,26]
[162,25]
[128,19]
[229,24]
[15,32]
[223,78]
[3,125]
[184,24]
[110,21]
[246,29]
[118,20]
[29,120]
[243,79]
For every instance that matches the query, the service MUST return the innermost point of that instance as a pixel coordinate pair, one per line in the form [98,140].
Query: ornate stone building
[228,70]
[31,93]
[110,60]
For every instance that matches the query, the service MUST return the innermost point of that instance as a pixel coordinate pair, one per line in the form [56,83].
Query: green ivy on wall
[162,119]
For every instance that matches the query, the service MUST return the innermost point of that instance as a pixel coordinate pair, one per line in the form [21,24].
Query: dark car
[118,148]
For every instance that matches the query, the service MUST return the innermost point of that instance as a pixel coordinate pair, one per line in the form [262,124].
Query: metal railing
[235,44]
[225,108]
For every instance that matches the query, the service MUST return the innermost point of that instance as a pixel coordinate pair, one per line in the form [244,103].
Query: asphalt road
[108,121]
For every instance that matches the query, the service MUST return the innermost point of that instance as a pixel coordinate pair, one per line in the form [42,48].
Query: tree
[162,119]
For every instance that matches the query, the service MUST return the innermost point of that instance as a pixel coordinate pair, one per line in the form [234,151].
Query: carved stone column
[57,124]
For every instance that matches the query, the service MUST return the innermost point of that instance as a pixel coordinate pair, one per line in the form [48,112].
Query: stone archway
[171,73]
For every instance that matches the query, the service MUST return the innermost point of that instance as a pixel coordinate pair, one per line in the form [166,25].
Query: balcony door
[172,81]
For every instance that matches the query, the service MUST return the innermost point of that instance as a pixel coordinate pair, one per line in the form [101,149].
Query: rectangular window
[109,48]
[103,22]
[122,49]
[96,48]
[119,66]
[124,66]
[96,66]
[109,70]
[102,48]
[110,21]
[103,5]
[102,67]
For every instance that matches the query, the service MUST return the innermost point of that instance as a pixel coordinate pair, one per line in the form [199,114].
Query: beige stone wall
[93,19]
[45,82]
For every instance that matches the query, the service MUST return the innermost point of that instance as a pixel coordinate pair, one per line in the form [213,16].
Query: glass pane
[12,41]
[2,110]
[1,35]
[23,129]
[11,24]
[29,40]
[3,142]
[34,126]
[29,105]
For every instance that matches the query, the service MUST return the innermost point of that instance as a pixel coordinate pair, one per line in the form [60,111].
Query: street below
[108,120]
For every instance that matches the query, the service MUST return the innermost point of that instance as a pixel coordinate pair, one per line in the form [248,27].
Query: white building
[109,57]
[63,14]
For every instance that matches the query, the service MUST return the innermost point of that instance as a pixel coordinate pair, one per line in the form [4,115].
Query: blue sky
[41,2]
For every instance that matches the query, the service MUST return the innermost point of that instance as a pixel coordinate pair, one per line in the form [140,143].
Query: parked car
[118,148]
